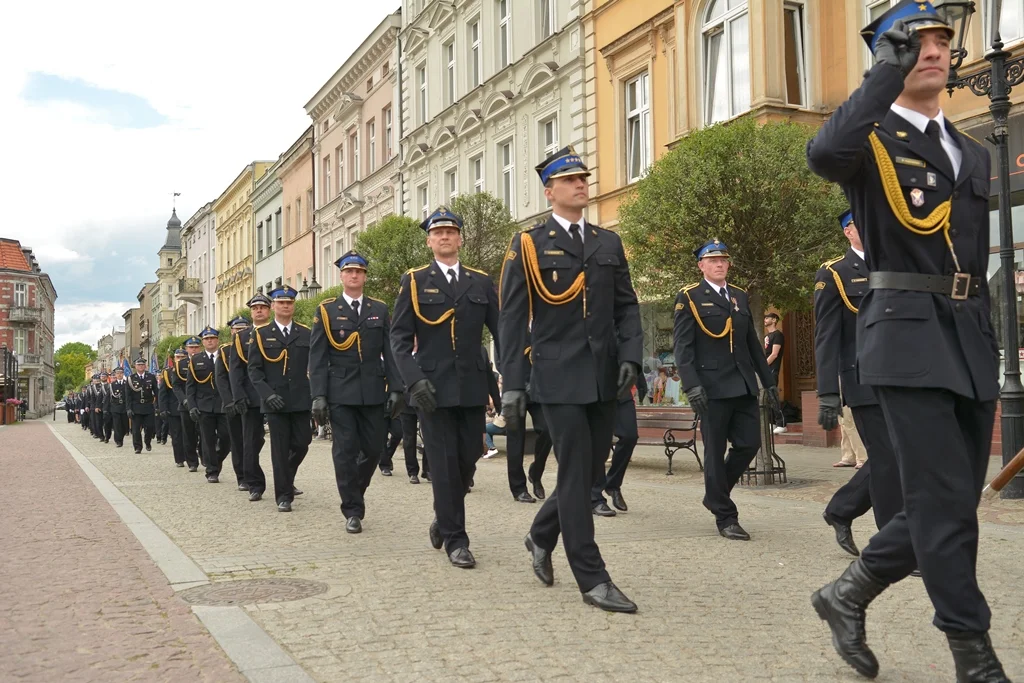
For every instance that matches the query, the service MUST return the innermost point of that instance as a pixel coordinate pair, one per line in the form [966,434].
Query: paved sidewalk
[80,600]
[710,609]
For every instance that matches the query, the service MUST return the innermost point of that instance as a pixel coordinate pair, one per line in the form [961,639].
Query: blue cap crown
[916,14]
[564,162]
[845,218]
[259,300]
[713,247]
[238,322]
[193,341]
[104,374]
[442,218]
[180,352]
[96,376]
[140,359]
[284,293]
[352,259]
[209,332]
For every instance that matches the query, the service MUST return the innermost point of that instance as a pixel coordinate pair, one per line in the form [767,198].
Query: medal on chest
[917,197]
[735,306]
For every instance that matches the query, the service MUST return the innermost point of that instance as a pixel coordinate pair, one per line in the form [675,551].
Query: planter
[10,413]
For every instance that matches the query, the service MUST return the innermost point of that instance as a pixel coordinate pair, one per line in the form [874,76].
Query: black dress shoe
[242,486]
[734,532]
[844,534]
[179,464]
[426,477]
[148,448]
[462,558]
[192,468]
[385,471]
[284,506]
[435,535]
[212,479]
[255,496]
[138,450]
[296,492]
[541,562]
[353,525]
[525,497]
[842,604]
[618,502]
[538,488]
[602,510]
[975,660]
[413,479]
[916,573]
[609,598]
[119,445]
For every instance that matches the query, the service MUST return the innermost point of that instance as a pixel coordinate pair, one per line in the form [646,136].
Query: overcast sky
[108,108]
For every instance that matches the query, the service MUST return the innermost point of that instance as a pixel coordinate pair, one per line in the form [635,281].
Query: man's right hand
[698,399]
[513,408]
[184,404]
[321,413]
[830,406]
[275,402]
[241,407]
[194,414]
[899,47]
[424,395]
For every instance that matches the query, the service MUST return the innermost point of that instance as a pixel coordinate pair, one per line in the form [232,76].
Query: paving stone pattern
[710,609]
[80,600]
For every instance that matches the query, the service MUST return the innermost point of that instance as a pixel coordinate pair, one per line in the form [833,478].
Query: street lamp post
[1003,74]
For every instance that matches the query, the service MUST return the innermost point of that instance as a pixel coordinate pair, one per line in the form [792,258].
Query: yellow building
[234,257]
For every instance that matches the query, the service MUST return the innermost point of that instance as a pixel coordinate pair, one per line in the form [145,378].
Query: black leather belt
[958,286]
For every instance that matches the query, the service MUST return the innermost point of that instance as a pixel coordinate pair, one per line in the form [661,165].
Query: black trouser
[86,419]
[627,433]
[290,436]
[177,438]
[162,428]
[410,421]
[542,446]
[452,437]
[190,439]
[108,425]
[728,420]
[96,423]
[71,416]
[515,444]
[237,447]
[252,443]
[942,443]
[358,440]
[120,426]
[213,428]
[140,423]
[582,437]
[394,437]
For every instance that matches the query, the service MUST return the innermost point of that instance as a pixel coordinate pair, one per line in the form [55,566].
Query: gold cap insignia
[901,134]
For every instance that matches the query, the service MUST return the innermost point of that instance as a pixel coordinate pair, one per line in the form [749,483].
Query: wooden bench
[679,431]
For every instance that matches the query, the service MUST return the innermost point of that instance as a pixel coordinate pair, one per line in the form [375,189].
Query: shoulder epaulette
[476,270]
[225,344]
[732,286]
[687,288]
[826,264]
[967,135]
[300,324]
[328,301]
[416,270]
[370,298]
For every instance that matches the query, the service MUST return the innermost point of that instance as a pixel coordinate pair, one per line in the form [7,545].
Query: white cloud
[51,252]
[87,322]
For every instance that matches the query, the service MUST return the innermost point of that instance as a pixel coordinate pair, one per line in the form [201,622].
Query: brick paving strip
[87,583]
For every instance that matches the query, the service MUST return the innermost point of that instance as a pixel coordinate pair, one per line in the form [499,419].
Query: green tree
[487,229]
[70,370]
[167,346]
[748,185]
[392,247]
[76,347]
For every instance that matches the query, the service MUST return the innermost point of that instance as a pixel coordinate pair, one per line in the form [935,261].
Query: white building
[199,243]
[269,250]
[490,88]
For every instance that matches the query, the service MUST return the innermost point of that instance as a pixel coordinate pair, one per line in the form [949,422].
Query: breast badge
[917,197]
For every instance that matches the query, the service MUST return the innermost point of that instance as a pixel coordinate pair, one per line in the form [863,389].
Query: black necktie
[933,132]
[355,306]
[453,277]
[725,295]
[574,231]
[284,332]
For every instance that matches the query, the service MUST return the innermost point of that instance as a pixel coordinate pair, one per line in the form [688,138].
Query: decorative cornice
[352,73]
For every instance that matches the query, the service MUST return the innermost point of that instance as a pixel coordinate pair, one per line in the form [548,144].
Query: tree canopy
[392,247]
[487,229]
[748,185]
[70,361]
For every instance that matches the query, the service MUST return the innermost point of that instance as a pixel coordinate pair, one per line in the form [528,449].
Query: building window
[339,248]
[298,218]
[259,239]
[547,18]
[549,136]
[476,168]
[20,341]
[339,163]
[385,69]
[371,135]
[326,267]
[448,51]
[387,134]
[277,227]
[726,60]
[451,184]
[474,53]
[270,234]
[796,61]
[424,201]
[504,33]
[20,294]
[369,84]
[421,82]
[325,189]
[353,146]
[638,126]
[309,209]
[508,173]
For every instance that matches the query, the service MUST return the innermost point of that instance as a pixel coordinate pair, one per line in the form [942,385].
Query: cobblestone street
[396,610]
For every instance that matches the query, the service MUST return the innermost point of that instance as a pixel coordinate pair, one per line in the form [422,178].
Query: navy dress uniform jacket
[119,397]
[839,287]
[448,354]
[201,386]
[361,372]
[143,393]
[907,338]
[238,365]
[575,348]
[166,399]
[726,365]
[279,366]
[222,373]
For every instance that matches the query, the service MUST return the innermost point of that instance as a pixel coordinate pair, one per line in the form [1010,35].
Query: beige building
[197,286]
[234,229]
[296,174]
[355,138]
[171,315]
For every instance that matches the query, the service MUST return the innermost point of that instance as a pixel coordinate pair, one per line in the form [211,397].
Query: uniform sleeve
[318,356]
[627,313]
[982,250]
[178,384]
[238,369]
[257,374]
[828,325]
[838,150]
[513,318]
[221,377]
[684,331]
[191,386]
[403,334]
[391,372]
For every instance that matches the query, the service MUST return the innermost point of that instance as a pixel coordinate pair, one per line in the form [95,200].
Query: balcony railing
[25,359]
[25,314]
[189,285]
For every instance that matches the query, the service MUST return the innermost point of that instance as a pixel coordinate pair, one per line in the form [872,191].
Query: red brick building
[26,323]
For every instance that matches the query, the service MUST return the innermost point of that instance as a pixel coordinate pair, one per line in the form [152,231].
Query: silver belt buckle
[961,286]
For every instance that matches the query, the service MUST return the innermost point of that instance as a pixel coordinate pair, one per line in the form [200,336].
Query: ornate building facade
[296,173]
[235,263]
[269,247]
[197,288]
[170,262]
[355,145]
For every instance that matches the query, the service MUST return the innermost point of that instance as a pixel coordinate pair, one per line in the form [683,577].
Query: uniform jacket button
[959,307]
[888,310]
[956,194]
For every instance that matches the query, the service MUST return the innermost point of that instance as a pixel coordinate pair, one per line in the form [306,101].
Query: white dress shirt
[718,290]
[349,300]
[566,223]
[285,329]
[858,252]
[445,269]
[920,121]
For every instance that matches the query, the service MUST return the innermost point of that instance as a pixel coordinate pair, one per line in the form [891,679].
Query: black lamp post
[996,83]
[314,288]
[304,292]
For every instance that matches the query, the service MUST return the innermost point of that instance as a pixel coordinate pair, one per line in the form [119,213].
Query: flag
[152,363]
[124,366]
